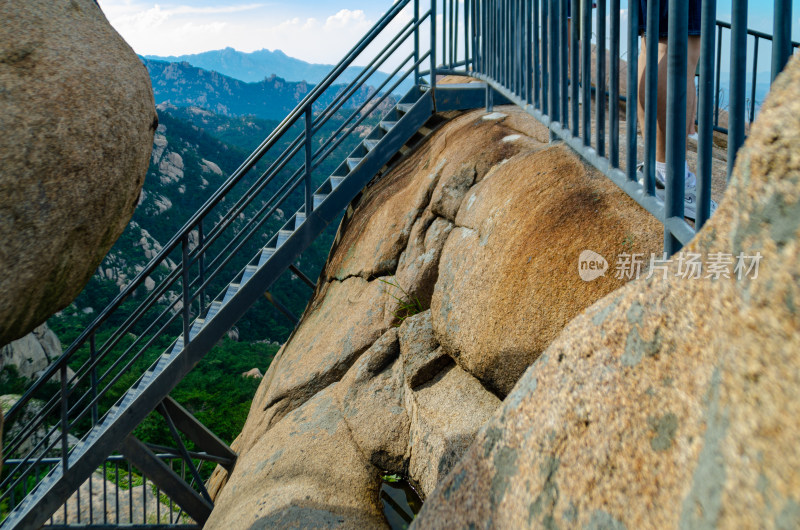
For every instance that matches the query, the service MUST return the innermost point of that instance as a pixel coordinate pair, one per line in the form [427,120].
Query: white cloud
[156,29]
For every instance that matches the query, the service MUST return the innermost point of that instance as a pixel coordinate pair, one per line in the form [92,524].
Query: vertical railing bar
[614,89]
[781,36]
[600,83]
[529,45]
[144,499]
[717,74]
[737,80]
[77,504]
[91,504]
[537,102]
[185,289]
[105,494]
[416,43]
[554,74]
[545,59]
[158,505]
[651,95]
[93,358]
[455,36]
[564,61]
[116,490]
[201,265]
[432,57]
[64,419]
[575,72]
[309,200]
[677,48]
[130,493]
[586,70]
[753,84]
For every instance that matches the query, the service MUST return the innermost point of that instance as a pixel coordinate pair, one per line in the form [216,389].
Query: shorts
[694,17]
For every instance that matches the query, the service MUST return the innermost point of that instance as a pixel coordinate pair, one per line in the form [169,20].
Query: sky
[319,31]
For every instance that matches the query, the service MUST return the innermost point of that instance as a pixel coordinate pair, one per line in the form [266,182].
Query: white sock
[691,178]
[661,172]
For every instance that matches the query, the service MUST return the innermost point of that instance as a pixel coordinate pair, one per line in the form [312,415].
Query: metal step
[249,271]
[353,163]
[318,198]
[371,144]
[405,108]
[283,236]
[388,125]
[216,305]
[299,218]
[335,181]
[266,253]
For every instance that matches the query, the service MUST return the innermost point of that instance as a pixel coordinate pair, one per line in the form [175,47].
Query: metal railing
[116,494]
[211,248]
[524,49]
[723,36]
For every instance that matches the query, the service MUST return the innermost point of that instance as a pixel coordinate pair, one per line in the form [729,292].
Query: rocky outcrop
[31,354]
[672,402]
[78,120]
[375,378]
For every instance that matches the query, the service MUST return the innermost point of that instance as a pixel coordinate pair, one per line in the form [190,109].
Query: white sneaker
[689,194]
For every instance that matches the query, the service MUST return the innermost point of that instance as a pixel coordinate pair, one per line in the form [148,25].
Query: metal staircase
[149,340]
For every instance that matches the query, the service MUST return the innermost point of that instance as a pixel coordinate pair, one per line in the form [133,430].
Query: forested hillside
[195,149]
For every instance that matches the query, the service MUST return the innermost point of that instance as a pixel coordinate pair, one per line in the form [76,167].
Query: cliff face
[477,236]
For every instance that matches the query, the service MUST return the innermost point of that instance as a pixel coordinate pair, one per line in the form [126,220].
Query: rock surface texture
[478,231]
[673,402]
[32,353]
[77,115]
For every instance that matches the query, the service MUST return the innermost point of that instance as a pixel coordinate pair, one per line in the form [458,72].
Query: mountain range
[261,64]
[184,85]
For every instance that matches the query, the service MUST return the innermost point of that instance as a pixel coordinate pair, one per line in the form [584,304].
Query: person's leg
[692,58]
[661,97]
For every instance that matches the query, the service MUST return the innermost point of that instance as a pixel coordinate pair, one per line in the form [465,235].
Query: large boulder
[675,401]
[508,275]
[77,115]
[349,397]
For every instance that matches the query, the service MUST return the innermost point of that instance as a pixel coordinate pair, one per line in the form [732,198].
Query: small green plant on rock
[409,305]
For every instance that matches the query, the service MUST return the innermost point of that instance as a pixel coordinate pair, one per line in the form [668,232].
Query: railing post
[433,51]
[738,81]
[416,42]
[64,418]
[201,264]
[93,358]
[705,113]
[632,94]
[677,48]
[185,287]
[600,82]
[308,135]
[552,38]
[586,70]
[613,97]
[650,95]
[781,36]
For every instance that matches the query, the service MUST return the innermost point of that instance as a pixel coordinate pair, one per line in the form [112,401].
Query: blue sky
[313,30]
[316,30]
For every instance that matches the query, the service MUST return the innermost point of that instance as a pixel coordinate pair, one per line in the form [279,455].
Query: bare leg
[692,59]
[661,105]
